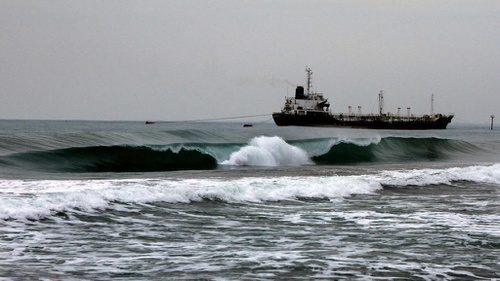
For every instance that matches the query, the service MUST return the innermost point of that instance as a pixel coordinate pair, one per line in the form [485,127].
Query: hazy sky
[199,59]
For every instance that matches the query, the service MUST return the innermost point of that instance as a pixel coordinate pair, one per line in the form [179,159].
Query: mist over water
[218,201]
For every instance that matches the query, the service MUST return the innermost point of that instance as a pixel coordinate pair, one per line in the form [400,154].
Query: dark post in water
[492,116]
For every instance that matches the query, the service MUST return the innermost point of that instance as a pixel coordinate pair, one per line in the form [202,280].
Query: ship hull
[327,120]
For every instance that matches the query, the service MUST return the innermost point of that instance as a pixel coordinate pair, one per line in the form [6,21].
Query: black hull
[326,120]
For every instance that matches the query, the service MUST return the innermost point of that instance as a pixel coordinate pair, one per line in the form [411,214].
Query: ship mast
[309,82]
[381,102]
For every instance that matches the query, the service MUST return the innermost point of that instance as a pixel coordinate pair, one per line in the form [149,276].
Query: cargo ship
[309,108]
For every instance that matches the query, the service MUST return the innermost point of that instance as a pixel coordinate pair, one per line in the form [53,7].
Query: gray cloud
[177,60]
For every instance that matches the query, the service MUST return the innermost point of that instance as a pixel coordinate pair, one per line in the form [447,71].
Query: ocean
[83,200]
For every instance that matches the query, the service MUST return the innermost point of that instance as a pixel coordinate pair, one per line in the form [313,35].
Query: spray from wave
[268,151]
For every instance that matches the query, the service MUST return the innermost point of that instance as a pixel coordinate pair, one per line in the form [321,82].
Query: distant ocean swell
[260,151]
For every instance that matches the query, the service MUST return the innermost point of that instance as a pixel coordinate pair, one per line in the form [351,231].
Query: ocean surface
[83,200]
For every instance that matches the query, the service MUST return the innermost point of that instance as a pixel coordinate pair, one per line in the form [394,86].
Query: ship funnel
[299,93]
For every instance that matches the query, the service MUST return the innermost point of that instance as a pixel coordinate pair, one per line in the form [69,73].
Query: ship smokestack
[299,93]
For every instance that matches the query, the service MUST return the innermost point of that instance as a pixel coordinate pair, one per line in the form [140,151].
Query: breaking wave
[34,199]
[112,159]
[259,151]
[268,151]
[394,149]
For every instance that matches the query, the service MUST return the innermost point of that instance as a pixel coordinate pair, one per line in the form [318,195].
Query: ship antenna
[381,102]
[432,104]
[309,78]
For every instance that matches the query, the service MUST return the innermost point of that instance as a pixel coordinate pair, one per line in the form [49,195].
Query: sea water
[217,201]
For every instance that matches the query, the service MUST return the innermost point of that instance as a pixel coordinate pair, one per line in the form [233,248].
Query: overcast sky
[182,60]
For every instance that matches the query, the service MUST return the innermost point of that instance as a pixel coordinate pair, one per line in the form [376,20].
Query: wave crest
[268,151]
[112,159]
[394,149]
[260,151]
[34,199]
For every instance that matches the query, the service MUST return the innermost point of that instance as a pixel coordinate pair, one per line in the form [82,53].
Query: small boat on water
[247,125]
[312,109]
[149,122]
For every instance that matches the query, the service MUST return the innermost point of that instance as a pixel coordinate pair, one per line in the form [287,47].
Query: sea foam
[422,177]
[34,199]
